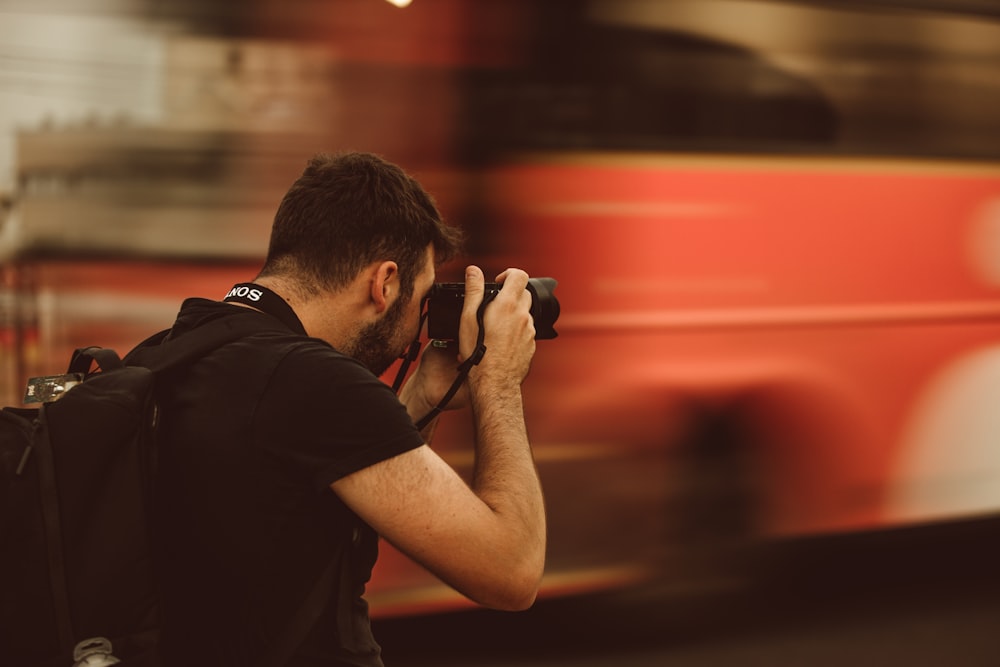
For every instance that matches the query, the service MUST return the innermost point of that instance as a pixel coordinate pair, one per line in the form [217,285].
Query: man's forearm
[505,476]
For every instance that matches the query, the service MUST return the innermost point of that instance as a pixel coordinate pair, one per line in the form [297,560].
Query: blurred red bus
[752,349]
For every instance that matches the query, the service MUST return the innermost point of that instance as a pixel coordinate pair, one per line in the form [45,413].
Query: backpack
[76,476]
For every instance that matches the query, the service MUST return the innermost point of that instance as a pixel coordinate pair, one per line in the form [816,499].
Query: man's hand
[510,331]
[433,377]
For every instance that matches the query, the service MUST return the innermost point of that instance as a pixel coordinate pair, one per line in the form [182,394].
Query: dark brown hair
[351,209]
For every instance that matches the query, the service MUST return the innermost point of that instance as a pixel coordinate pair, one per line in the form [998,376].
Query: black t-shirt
[252,436]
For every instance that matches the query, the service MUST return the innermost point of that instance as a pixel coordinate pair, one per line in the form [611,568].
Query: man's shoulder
[271,343]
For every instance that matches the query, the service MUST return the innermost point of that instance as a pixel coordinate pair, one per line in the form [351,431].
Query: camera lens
[544,306]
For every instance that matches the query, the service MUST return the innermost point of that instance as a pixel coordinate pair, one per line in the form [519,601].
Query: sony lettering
[245,292]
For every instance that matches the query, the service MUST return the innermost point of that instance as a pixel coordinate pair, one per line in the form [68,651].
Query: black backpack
[76,476]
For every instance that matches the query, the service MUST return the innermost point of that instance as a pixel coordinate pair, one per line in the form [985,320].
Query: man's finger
[474,288]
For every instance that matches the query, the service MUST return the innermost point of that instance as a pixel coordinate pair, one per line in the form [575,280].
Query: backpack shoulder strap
[161,352]
[85,357]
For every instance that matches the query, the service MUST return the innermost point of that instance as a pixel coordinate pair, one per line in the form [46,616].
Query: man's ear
[385,285]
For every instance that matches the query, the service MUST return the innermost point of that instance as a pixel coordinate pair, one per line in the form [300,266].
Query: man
[284,456]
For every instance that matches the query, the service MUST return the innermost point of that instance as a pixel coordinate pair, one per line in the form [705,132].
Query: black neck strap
[264,300]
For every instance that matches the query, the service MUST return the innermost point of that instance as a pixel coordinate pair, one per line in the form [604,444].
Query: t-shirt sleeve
[327,416]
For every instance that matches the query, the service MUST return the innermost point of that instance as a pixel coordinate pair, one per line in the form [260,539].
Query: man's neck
[324,314]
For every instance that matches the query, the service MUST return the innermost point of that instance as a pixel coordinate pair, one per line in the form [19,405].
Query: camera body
[445,301]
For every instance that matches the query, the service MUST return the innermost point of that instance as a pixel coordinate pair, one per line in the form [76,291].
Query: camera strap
[411,354]
[463,368]
[261,298]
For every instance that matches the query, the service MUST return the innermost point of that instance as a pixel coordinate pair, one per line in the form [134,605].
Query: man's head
[345,214]
[351,209]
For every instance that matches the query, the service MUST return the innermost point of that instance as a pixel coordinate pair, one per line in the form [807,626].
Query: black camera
[445,300]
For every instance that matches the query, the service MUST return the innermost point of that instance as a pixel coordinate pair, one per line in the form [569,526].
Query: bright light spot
[400,3]
[950,464]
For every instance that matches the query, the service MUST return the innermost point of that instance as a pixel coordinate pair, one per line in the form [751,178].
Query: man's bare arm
[487,540]
[491,552]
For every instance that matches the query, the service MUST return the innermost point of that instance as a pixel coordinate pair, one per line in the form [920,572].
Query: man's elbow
[521,602]
[513,592]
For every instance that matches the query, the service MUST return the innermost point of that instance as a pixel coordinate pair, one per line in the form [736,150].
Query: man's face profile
[379,344]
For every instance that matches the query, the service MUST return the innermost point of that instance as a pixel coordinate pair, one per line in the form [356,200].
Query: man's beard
[376,346]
